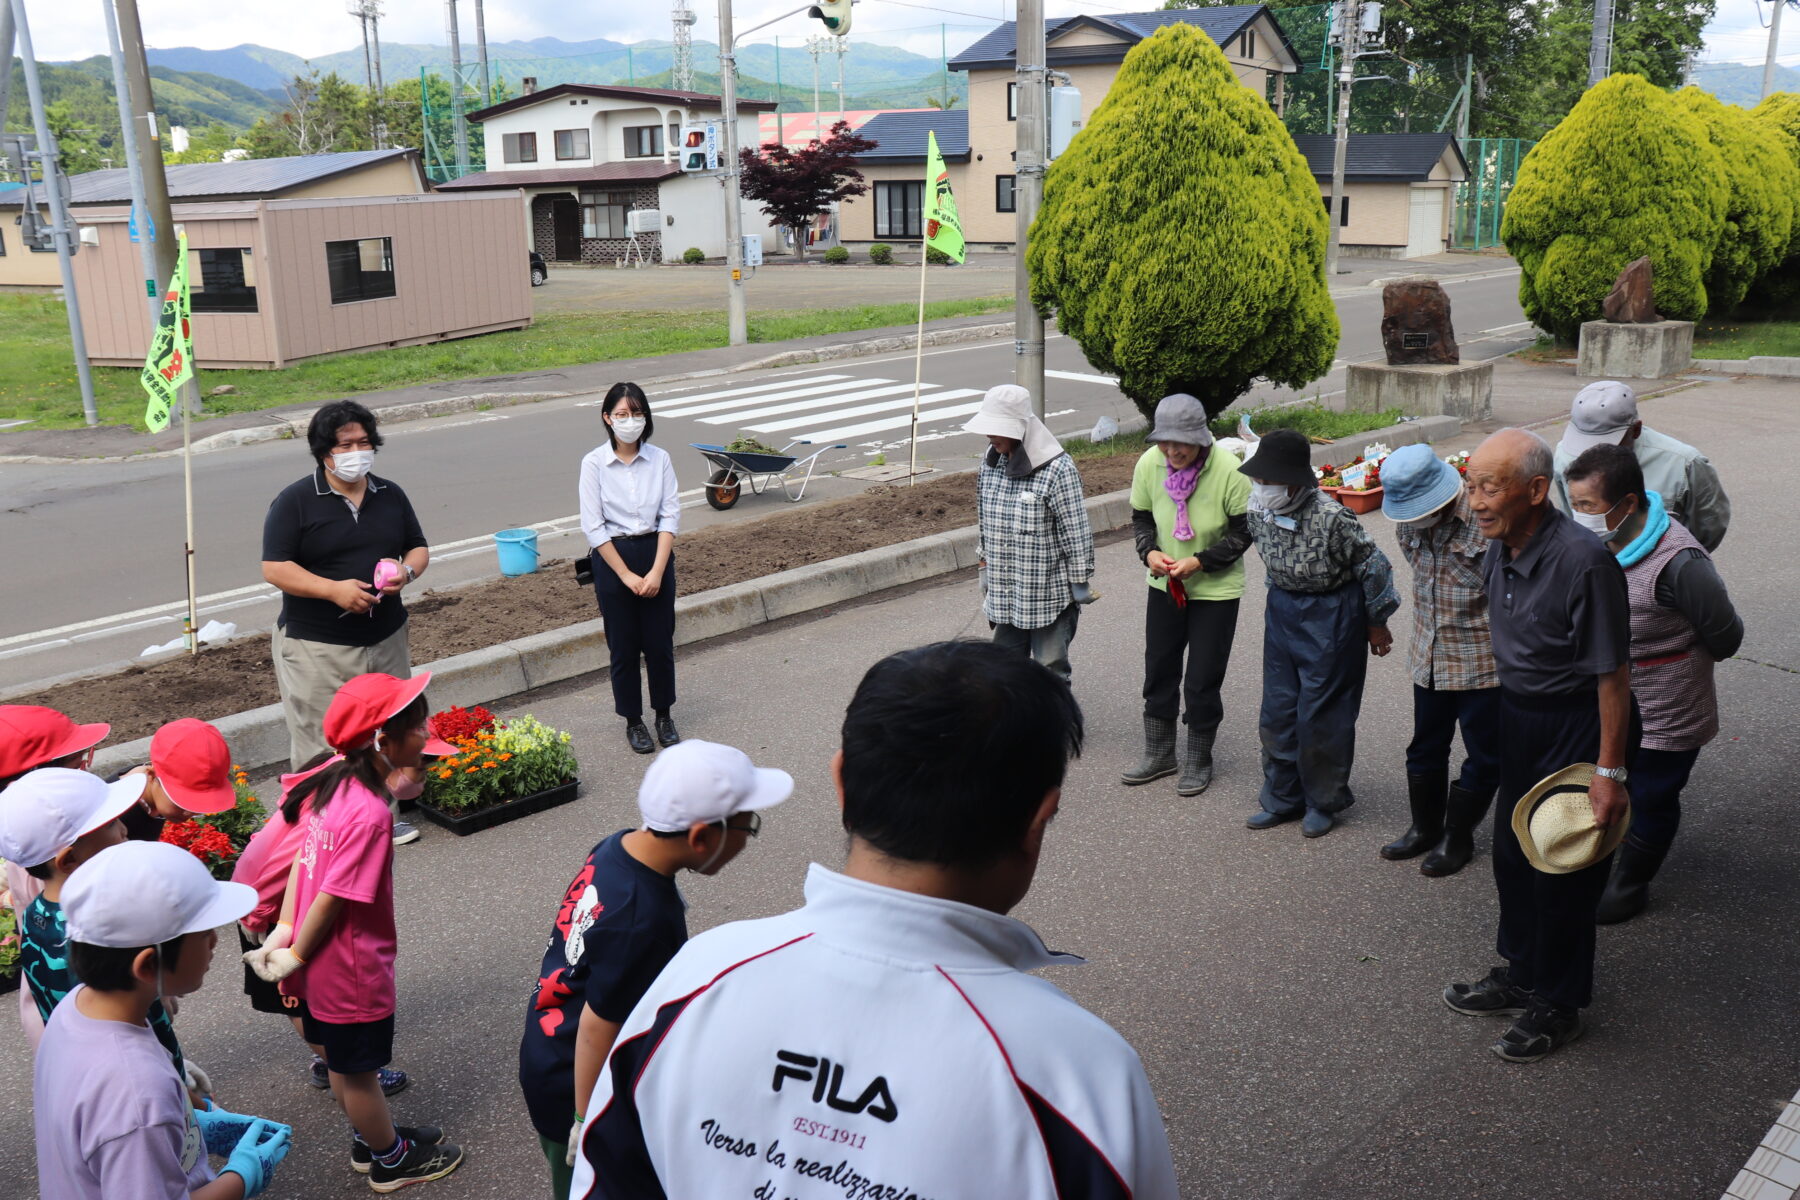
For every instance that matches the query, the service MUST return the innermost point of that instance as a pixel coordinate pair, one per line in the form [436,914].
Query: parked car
[540,274]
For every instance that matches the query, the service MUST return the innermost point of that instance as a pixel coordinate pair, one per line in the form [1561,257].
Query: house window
[518,147]
[1005,199]
[571,143]
[222,281]
[1343,213]
[603,214]
[361,269]
[643,141]
[1012,101]
[899,209]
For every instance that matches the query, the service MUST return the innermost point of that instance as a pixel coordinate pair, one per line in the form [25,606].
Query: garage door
[1425,222]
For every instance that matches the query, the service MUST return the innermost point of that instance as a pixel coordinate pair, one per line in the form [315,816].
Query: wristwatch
[1616,774]
[410,573]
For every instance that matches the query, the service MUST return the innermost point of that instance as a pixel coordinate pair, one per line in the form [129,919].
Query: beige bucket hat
[1555,823]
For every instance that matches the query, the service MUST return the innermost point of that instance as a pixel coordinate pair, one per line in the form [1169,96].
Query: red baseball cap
[193,764]
[362,706]
[34,736]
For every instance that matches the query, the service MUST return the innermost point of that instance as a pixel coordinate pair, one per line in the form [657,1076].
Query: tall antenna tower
[368,15]
[681,70]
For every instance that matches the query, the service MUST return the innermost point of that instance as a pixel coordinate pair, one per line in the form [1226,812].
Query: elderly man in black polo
[1561,623]
[340,544]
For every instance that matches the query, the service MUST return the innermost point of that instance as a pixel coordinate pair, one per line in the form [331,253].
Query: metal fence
[1481,199]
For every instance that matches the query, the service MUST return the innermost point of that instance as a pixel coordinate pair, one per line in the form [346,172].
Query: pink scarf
[1180,485]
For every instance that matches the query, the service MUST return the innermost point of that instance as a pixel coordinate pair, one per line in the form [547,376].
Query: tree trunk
[799,232]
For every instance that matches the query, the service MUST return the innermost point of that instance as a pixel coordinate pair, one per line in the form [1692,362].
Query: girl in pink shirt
[335,944]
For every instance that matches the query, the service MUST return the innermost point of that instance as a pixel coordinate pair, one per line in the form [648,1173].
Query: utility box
[753,250]
[1065,118]
[644,220]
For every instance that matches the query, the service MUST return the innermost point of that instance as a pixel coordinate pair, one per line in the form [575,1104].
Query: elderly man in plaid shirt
[1037,549]
[1452,661]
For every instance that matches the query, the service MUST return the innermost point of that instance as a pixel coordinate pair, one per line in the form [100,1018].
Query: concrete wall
[697,203]
[604,118]
[1379,213]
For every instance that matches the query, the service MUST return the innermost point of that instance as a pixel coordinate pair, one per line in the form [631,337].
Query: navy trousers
[1546,921]
[638,629]
[1315,657]
[1436,716]
[1657,780]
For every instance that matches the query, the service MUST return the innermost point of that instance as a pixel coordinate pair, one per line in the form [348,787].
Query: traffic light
[699,148]
[835,14]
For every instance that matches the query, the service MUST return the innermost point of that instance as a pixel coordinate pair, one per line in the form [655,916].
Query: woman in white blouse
[629,513]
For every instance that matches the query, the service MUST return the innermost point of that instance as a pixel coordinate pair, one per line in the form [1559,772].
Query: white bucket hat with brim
[1554,823]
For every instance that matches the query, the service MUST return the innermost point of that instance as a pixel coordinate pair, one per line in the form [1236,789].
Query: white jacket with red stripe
[872,1045]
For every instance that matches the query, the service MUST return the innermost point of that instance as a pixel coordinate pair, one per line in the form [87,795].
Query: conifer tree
[1181,241]
[1764,188]
[1627,173]
[1780,285]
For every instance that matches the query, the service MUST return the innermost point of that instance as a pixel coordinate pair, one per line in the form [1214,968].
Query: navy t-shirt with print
[619,925]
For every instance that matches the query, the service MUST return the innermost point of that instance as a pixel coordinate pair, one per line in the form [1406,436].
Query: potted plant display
[502,770]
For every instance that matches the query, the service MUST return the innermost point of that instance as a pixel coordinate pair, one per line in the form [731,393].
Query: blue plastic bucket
[518,551]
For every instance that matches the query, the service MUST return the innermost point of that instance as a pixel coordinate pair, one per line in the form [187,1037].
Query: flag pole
[187,481]
[912,470]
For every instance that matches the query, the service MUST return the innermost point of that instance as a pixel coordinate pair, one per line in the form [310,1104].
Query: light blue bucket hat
[1415,482]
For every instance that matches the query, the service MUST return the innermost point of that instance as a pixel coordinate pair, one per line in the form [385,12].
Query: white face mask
[1274,498]
[1595,523]
[628,429]
[351,465]
[1425,522]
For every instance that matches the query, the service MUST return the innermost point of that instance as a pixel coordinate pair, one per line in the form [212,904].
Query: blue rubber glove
[221,1130]
[258,1152]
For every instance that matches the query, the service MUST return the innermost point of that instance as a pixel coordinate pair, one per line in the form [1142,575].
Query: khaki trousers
[310,673]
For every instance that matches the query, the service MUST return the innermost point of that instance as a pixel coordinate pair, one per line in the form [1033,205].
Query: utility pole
[736,322]
[1768,82]
[1349,29]
[840,46]
[62,224]
[6,57]
[1468,98]
[458,125]
[140,208]
[147,141]
[815,46]
[1032,145]
[1600,42]
[487,89]
[360,10]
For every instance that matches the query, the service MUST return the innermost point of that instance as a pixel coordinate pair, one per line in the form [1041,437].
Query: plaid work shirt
[1452,650]
[1320,547]
[1035,539]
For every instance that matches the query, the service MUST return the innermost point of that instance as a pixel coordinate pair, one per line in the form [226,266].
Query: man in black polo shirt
[322,541]
[1562,636]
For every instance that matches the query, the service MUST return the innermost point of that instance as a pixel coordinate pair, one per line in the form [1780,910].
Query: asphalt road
[1282,993]
[96,548]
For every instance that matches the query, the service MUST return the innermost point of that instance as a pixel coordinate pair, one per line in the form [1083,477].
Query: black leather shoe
[639,737]
[665,731]
[1494,996]
[1543,1030]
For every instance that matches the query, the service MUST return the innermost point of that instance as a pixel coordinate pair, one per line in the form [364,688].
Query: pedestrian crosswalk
[825,408]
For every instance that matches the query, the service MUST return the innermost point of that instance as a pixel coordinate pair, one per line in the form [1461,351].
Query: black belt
[634,537]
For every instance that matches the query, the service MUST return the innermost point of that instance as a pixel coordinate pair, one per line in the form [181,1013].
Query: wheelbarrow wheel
[722,490]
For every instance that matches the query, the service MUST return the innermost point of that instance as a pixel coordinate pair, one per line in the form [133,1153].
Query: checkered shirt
[1035,539]
[1326,549]
[1452,650]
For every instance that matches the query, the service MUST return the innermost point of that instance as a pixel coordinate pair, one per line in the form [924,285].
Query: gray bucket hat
[1181,418]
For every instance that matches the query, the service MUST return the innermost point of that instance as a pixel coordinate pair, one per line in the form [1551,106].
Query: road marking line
[1080,377]
[748,415]
[135,614]
[762,391]
[865,410]
[849,431]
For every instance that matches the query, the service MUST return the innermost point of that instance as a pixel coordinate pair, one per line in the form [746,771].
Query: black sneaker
[393,1081]
[665,731]
[637,736]
[422,1135]
[420,1164]
[1494,996]
[1543,1030]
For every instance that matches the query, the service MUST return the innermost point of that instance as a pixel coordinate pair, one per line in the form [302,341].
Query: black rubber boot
[1196,764]
[1425,797]
[1462,813]
[1159,753]
[1628,891]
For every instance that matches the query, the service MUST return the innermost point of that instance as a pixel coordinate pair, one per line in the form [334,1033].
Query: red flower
[457,724]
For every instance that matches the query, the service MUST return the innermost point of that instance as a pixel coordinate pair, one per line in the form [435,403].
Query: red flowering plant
[457,724]
[503,761]
[217,839]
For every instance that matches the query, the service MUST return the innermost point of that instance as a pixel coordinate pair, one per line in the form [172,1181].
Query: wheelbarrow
[734,468]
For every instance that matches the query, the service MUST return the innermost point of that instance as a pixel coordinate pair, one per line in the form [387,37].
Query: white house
[585,155]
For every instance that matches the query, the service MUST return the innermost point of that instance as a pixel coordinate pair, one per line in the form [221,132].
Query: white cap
[145,893]
[45,811]
[701,783]
[1602,414]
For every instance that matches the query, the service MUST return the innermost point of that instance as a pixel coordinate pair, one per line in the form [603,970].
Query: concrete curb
[258,738]
[1776,366]
[1424,429]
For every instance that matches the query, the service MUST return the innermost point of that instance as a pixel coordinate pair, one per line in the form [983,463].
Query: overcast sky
[61,30]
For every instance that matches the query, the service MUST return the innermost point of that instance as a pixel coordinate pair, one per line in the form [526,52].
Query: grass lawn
[1747,337]
[40,381]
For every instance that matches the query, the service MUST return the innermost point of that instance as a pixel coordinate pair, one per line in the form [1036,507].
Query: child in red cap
[338,912]
[189,774]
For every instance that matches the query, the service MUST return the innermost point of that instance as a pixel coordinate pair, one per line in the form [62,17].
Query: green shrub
[836,255]
[693,254]
[1763,183]
[1181,242]
[1779,288]
[1627,173]
[881,254]
[936,257]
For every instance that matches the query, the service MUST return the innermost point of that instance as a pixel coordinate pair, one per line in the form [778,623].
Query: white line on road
[688,406]
[863,411]
[1079,377]
[849,431]
[744,416]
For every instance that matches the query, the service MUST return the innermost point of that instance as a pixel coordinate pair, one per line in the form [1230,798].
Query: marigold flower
[505,757]
[443,774]
[489,766]
[471,770]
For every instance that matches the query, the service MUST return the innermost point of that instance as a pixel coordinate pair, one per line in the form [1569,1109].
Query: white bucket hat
[43,813]
[1006,412]
[146,893]
[1554,823]
[696,782]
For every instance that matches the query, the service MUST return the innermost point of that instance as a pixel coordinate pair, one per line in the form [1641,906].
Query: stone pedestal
[1654,350]
[1463,390]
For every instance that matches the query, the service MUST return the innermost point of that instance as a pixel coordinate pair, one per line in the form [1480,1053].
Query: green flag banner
[943,230]
[170,361]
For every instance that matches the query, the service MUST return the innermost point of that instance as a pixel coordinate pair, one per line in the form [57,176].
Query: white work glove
[196,1079]
[279,937]
[574,1141]
[273,966]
